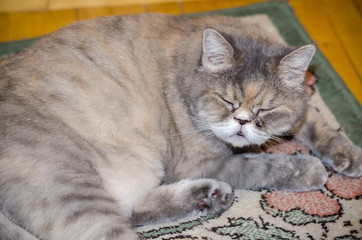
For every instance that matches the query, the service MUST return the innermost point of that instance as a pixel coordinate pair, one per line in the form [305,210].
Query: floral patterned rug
[334,212]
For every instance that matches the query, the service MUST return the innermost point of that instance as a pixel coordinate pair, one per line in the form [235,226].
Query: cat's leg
[330,145]
[71,212]
[183,199]
[283,172]
[58,201]
[11,231]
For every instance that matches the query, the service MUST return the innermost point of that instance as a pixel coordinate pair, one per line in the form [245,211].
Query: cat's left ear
[217,52]
[293,66]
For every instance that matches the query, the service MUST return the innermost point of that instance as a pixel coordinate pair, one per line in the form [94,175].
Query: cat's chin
[238,140]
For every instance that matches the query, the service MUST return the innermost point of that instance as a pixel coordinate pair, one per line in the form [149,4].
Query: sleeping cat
[121,121]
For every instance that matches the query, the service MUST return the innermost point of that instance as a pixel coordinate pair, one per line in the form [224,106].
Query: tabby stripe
[81,198]
[86,211]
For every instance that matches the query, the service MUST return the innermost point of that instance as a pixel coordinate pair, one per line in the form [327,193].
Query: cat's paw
[346,159]
[309,174]
[212,196]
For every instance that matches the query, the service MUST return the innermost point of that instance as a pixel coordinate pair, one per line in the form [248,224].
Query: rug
[334,212]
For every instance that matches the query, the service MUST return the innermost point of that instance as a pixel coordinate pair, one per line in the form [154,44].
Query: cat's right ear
[293,66]
[217,53]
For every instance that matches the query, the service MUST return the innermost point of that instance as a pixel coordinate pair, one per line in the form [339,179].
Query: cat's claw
[346,160]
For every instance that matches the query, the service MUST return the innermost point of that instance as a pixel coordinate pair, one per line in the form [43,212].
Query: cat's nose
[241,121]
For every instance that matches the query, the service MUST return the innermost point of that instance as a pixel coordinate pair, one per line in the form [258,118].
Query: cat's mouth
[240,133]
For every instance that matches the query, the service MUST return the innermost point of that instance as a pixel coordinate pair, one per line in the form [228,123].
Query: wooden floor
[335,25]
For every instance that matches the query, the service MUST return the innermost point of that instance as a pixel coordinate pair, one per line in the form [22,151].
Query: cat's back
[104,77]
[120,47]
[96,76]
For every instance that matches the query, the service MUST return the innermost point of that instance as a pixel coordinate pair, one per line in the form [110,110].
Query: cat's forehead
[252,92]
[259,60]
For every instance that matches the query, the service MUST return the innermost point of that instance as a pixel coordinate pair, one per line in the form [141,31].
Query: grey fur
[120,121]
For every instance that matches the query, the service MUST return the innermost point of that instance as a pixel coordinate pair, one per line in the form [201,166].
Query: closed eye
[233,106]
[263,110]
[226,101]
[259,111]
[230,103]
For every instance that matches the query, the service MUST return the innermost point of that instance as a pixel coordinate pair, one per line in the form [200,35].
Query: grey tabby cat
[121,121]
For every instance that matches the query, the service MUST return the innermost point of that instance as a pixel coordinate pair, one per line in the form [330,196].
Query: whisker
[196,119]
[273,140]
[188,132]
[199,138]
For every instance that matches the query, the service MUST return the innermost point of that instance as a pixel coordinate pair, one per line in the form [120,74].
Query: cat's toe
[217,197]
[347,161]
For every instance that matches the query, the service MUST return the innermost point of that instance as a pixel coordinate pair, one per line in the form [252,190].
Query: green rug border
[333,91]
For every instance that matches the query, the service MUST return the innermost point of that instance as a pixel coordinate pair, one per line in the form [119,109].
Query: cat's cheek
[254,135]
[225,129]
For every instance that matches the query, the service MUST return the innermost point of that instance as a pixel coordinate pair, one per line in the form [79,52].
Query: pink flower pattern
[313,206]
[314,202]
[345,187]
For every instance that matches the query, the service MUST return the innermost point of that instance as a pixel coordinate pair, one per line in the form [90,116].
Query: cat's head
[248,91]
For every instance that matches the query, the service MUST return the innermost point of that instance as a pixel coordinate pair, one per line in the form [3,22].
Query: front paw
[307,173]
[346,159]
[212,196]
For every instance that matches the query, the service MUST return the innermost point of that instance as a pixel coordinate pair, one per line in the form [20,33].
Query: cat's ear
[217,52]
[293,66]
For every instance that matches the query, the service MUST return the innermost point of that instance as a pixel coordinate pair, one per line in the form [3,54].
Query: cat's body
[95,117]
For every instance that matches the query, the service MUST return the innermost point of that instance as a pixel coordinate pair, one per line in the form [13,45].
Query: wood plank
[199,6]
[314,18]
[347,23]
[35,24]
[88,13]
[4,27]
[168,8]
[69,4]
[22,5]
[26,25]
[53,20]
[236,3]
[128,9]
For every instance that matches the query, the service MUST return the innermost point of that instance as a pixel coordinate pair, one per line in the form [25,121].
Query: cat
[121,121]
